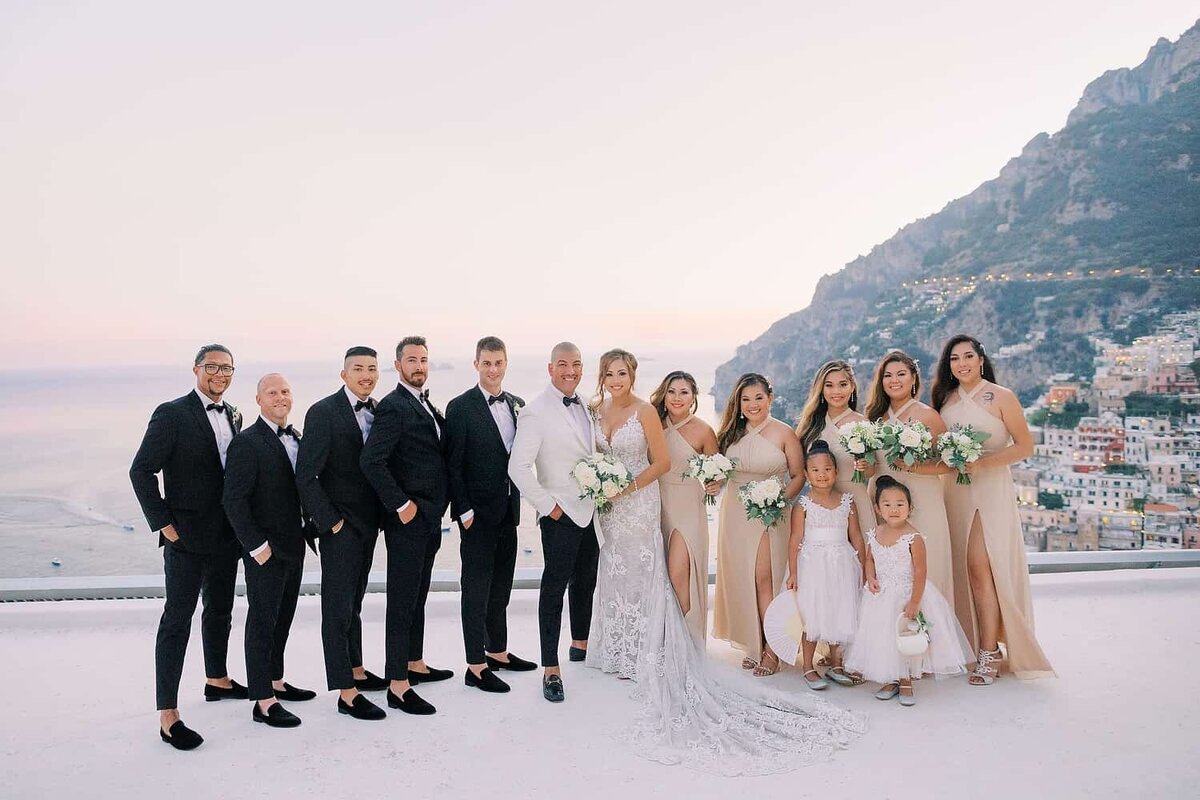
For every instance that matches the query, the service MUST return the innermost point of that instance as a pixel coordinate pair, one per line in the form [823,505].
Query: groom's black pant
[272,590]
[489,556]
[411,549]
[345,566]
[571,554]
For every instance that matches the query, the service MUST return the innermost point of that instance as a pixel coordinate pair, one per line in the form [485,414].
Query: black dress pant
[571,555]
[271,592]
[489,556]
[191,577]
[411,549]
[345,566]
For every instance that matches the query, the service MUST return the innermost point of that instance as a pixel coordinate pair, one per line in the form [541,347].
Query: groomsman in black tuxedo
[404,460]
[345,509]
[186,441]
[263,505]
[480,426]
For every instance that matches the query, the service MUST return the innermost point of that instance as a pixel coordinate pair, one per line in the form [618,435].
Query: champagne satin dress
[993,496]
[735,602]
[845,471]
[928,515]
[684,512]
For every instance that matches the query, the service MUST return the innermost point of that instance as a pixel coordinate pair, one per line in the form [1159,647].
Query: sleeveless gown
[684,511]
[993,496]
[928,515]
[735,602]
[688,715]
[845,470]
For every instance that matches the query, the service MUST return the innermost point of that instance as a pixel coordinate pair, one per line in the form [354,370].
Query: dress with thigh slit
[683,511]
[993,495]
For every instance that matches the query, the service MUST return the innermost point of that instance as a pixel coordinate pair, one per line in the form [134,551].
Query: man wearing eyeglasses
[186,441]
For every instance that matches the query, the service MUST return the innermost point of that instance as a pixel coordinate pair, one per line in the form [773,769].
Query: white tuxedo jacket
[548,446]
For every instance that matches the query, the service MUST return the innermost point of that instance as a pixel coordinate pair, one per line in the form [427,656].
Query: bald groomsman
[263,504]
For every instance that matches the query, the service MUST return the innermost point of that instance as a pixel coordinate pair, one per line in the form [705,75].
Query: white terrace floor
[1122,720]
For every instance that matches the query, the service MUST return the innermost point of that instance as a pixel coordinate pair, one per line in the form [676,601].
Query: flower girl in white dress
[825,553]
[896,585]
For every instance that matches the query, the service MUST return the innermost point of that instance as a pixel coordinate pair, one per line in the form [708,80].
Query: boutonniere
[234,413]
[516,406]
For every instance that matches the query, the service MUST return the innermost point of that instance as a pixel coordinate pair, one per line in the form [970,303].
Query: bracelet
[635,486]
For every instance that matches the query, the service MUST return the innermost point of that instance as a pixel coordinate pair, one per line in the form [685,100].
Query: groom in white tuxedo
[554,431]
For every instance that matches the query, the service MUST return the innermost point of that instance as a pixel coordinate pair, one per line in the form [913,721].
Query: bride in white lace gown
[688,714]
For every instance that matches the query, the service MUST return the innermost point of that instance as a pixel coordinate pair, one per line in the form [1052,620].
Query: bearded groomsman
[345,510]
[480,426]
[403,458]
[186,441]
[264,506]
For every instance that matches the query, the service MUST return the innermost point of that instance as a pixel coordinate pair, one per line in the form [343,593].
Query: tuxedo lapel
[345,413]
[201,417]
[426,417]
[484,410]
[556,400]
[271,439]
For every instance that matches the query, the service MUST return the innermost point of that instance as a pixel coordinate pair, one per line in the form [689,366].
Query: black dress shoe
[577,653]
[235,692]
[293,694]
[432,675]
[552,689]
[361,708]
[276,716]
[513,664]
[181,737]
[410,703]
[371,683]
[487,681]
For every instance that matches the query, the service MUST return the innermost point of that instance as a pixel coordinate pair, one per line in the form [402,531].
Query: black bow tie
[499,398]
[567,401]
[288,431]
[424,396]
[215,407]
[368,404]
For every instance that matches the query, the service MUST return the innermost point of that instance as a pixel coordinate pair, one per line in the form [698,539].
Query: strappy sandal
[984,673]
[762,670]
[749,663]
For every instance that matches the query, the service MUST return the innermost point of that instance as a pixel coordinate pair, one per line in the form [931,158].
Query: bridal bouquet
[907,442]
[858,439]
[959,446]
[707,469]
[763,500]
[601,478]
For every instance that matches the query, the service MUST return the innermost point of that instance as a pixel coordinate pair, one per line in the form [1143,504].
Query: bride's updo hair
[606,361]
[820,448]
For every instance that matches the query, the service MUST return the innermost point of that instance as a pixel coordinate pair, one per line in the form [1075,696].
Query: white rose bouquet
[707,469]
[601,478]
[858,439]
[764,500]
[959,446]
[905,442]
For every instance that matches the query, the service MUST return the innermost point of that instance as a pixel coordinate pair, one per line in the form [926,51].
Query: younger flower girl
[825,559]
[896,585]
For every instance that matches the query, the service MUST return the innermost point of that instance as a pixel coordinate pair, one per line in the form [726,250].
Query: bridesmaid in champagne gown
[751,560]
[684,514]
[991,577]
[833,402]
[894,392]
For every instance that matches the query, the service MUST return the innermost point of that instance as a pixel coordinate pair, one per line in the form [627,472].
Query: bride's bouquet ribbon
[600,478]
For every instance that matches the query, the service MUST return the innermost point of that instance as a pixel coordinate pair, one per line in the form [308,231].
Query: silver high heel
[984,673]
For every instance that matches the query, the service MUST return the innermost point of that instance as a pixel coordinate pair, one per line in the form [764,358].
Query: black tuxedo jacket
[477,461]
[260,497]
[180,443]
[404,459]
[328,473]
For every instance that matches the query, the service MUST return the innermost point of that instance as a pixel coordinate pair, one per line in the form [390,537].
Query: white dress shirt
[219,421]
[365,417]
[508,432]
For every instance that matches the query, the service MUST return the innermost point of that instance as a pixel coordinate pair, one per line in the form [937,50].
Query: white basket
[910,643]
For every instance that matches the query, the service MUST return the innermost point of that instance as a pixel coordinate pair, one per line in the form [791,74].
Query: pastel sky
[290,178]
